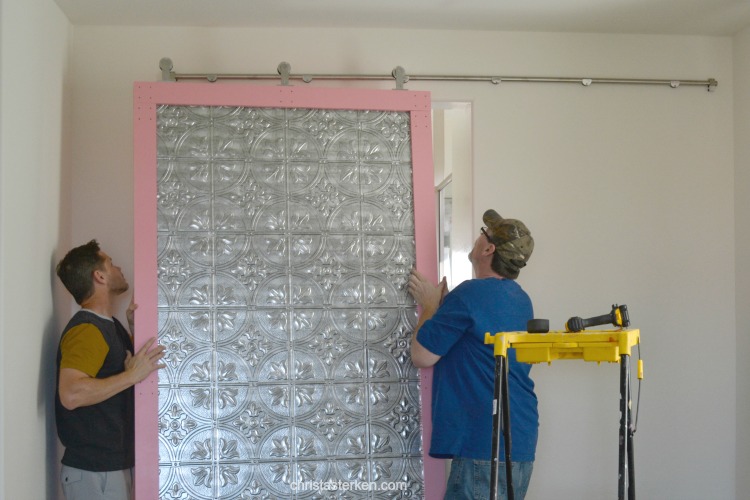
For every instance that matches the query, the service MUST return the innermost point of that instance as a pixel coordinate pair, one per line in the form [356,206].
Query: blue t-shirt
[464,377]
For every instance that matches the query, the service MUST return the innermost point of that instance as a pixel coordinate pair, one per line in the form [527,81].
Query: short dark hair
[76,270]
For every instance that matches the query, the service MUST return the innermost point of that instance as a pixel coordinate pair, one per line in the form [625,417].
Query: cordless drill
[617,317]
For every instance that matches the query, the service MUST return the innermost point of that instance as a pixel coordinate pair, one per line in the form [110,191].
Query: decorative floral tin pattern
[285,240]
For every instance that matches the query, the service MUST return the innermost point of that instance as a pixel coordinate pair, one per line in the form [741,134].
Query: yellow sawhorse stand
[610,346]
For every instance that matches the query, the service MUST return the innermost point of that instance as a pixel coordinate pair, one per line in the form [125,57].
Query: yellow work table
[592,345]
[610,346]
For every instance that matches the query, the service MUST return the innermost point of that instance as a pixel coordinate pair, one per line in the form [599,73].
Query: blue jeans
[470,479]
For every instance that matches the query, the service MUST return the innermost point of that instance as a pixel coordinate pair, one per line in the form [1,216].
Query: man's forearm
[78,389]
[429,298]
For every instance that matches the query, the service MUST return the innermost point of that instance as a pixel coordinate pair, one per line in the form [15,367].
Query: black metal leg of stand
[499,367]
[624,424]
[506,435]
[499,364]
[631,453]
[501,419]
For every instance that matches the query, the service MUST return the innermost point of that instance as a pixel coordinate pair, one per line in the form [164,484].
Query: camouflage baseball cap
[512,240]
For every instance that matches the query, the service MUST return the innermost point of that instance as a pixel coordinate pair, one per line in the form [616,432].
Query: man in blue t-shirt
[450,336]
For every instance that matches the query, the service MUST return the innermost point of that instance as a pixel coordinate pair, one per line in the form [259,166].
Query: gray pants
[80,484]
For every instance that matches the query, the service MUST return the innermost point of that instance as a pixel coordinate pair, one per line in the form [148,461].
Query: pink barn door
[275,229]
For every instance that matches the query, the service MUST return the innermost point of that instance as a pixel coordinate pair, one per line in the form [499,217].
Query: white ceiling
[669,17]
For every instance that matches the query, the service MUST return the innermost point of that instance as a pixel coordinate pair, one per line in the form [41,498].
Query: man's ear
[489,249]
[98,276]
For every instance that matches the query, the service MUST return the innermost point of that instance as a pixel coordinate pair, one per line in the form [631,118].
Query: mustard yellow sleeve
[83,348]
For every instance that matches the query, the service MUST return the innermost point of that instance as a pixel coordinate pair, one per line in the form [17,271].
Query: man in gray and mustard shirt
[94,404]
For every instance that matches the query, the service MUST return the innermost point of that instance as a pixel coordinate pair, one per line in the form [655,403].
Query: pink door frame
[147,97]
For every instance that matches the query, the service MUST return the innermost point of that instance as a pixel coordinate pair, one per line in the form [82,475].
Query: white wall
[33,220]
[629,192]
[742,214]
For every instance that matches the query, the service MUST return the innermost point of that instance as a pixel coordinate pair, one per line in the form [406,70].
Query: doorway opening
[451,126]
